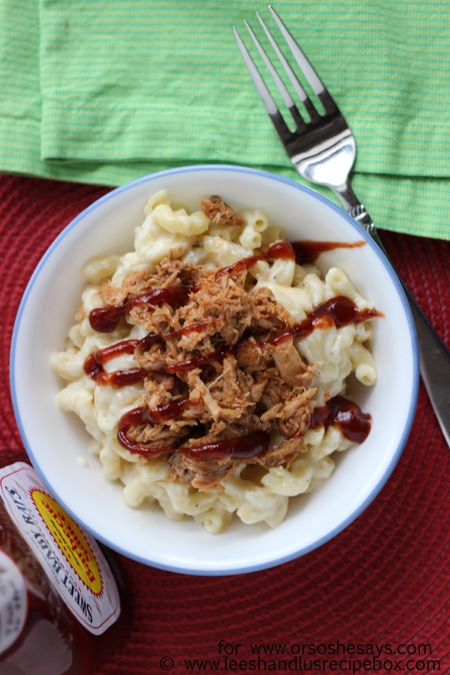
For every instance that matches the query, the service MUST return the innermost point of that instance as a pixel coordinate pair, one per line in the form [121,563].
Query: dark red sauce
[281,250]
[344,414]
[93,366]
[237,448]
[148,341]
[307,251]
[198,361]
[243,447]
[339,311]
[106,319]
[144,415]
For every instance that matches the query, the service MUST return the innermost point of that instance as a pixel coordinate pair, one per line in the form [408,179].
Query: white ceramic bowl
[55,441]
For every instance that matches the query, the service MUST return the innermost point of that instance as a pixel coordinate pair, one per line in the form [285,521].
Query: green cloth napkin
[108,91]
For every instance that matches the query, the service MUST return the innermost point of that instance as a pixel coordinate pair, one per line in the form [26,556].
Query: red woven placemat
[377,595]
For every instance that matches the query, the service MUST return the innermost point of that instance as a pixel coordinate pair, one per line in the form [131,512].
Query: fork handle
[433,352]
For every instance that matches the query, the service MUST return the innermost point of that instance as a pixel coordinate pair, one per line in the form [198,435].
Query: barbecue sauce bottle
[58,596]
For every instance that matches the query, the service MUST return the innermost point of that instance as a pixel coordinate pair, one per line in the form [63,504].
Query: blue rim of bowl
[269,562]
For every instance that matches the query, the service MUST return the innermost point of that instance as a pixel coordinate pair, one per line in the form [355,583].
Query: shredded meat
[217,351]
[220,212]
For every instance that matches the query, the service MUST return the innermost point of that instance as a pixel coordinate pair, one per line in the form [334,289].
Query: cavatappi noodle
[210,365]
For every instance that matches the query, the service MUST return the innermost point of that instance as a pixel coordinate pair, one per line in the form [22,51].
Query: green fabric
[106,91]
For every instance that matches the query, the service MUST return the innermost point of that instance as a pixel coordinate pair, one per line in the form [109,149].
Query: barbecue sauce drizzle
[339,311]
[307,251]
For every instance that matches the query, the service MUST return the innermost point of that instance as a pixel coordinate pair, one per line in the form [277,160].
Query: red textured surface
[382,581]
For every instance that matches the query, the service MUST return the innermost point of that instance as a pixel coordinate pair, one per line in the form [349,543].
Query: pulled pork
[217,352]
[220,212]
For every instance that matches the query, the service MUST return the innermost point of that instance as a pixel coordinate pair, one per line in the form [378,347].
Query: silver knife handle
[434,366]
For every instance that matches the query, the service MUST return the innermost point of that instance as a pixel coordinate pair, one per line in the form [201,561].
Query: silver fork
[322,149]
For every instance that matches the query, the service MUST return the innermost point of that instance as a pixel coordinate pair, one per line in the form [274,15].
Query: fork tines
[305,66]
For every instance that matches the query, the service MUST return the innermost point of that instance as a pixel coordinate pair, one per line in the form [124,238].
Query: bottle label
[13,602]
[70,557]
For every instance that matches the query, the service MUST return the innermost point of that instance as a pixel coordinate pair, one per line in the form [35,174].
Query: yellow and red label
[70,540]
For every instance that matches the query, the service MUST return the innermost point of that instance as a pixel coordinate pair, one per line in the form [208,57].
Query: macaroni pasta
[252,493]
